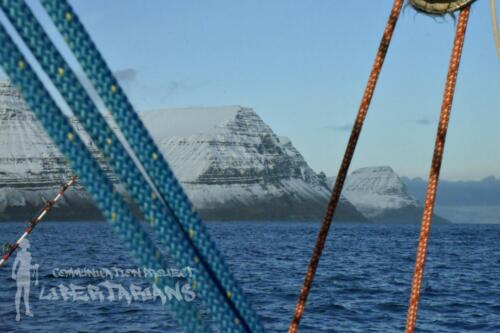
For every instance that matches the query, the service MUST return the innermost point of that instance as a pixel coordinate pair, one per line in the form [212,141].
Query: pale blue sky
[302,65]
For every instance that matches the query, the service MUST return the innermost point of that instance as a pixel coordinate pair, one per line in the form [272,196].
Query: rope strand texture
[435,168]
[344,168]
[215,298]
[170,193]
[90,174]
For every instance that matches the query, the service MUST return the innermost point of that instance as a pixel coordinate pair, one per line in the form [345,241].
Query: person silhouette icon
[21,272]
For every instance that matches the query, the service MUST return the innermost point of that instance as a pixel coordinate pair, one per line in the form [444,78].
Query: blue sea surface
[362,284]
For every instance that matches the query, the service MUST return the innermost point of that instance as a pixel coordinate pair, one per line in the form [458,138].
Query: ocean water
[362,283]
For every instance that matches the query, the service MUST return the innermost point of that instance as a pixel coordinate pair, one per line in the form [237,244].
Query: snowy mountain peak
[381,179]
[227,144]
[380,194]
[374,190]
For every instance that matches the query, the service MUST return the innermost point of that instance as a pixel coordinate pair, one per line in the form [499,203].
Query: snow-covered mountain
[31,167]
[228,160]
[233,166]
[375,190]
[380,194]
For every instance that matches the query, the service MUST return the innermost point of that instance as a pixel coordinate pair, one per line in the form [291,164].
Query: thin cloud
[338,128]
[176,87]
[424,121]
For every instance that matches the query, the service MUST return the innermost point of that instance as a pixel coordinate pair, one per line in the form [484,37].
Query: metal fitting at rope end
[7,248]
[439,7]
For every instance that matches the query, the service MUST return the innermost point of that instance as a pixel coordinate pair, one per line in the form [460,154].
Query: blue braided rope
[144,147]
[90,174]
[77,98]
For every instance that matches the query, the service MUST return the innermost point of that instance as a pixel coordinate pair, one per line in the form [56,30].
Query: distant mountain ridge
[380,195]
[485,192]
[463,201]
[231,164]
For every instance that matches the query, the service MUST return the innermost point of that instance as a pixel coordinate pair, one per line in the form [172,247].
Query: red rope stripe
[33,222]
[435,168]
[344,168]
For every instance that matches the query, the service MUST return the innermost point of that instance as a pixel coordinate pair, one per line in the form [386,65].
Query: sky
[303,66]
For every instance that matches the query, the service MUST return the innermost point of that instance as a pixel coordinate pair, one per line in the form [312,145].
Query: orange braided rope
[344,168]
[435,168]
